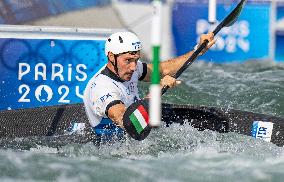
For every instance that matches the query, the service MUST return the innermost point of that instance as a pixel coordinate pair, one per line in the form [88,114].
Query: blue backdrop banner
[280,11]
[45,72]
[247,39]
[279,53]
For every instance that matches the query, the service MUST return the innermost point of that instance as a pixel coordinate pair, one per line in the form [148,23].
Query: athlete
[114,87]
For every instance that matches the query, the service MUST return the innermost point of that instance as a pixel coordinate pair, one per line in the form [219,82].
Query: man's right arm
[105,101]
[116,112]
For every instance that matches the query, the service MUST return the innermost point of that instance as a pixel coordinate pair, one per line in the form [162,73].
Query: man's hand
[210,38]
[115,113]
[166,81]
[169,81]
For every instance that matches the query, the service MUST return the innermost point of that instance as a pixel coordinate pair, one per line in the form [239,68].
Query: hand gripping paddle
[136,119]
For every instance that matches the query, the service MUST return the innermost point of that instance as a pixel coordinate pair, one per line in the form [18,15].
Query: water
[253,86]
[176,153]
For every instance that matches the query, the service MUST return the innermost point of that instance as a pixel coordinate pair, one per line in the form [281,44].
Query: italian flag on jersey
[139,119]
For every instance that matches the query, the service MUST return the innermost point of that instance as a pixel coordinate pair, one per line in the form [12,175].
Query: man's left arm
[170,67]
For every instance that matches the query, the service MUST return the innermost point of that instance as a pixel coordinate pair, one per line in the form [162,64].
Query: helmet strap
[115,66]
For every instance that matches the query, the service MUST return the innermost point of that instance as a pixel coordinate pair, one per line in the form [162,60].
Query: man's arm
[116,112]
[170,67]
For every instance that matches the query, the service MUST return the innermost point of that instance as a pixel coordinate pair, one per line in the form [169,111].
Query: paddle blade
[136,120]
[231,18]
[235,14]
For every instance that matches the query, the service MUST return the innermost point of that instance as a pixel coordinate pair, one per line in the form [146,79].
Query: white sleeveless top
[105,89]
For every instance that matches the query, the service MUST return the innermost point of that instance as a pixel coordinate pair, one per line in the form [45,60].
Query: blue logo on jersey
[135,99]
[130,89]
[93,85]
[105,97]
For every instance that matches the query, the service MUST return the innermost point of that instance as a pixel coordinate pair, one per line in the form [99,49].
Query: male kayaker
[114,87]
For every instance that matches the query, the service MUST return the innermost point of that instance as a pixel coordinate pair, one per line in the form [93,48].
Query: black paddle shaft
[228,21]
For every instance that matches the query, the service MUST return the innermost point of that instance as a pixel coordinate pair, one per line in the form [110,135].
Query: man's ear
[110,56]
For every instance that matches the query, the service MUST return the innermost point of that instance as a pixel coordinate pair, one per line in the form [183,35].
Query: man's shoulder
[101,80]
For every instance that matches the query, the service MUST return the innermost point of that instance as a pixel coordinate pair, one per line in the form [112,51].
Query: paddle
[228,21]
[136,119]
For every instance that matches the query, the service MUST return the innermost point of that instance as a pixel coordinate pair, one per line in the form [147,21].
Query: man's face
[126,63]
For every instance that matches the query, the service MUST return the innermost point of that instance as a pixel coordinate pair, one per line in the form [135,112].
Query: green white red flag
[140,119]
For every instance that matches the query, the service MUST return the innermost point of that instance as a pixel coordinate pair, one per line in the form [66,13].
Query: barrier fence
[45,68]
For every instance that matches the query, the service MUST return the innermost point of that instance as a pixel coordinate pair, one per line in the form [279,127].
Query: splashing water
[175,153]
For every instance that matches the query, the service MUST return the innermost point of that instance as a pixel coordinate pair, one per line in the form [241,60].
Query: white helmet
[121,42]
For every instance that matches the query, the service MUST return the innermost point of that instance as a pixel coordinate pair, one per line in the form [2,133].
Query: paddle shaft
[194,55]
[229,20]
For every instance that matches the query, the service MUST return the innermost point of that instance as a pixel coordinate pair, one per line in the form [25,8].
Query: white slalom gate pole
[155,89]
[212,11]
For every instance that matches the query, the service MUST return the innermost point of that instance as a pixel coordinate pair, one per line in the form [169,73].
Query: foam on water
[183,154]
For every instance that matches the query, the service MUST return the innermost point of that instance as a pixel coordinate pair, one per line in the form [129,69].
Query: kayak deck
[55,120]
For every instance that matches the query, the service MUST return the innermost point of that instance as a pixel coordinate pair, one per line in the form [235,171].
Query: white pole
[155,89]
[212,5]
[272,45]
